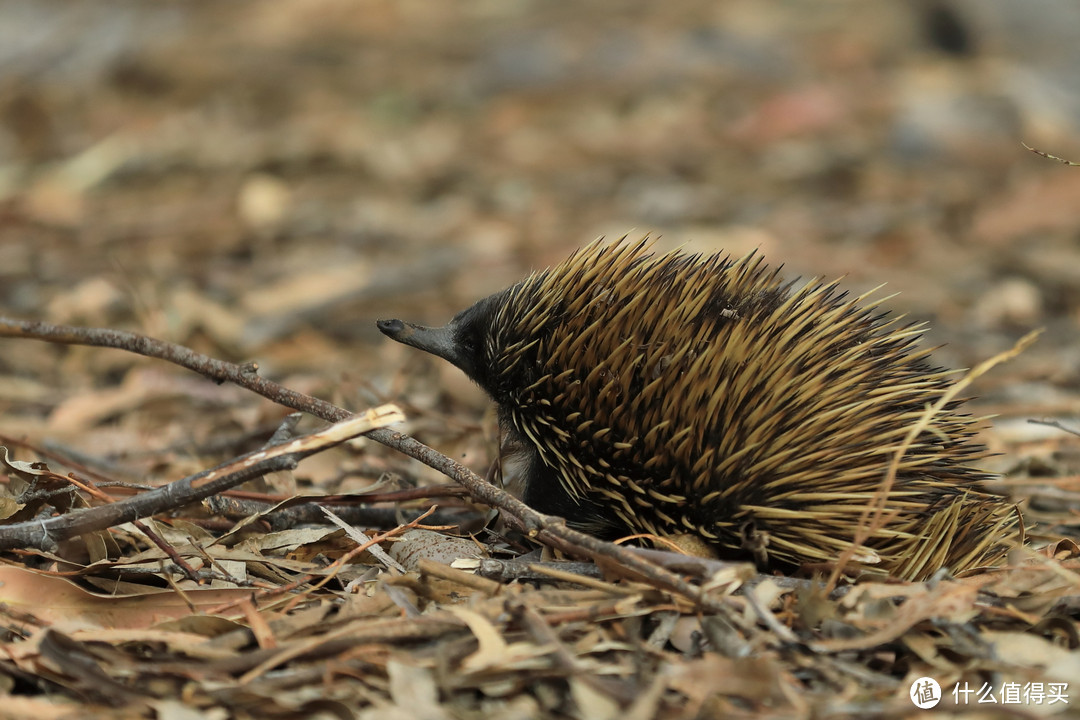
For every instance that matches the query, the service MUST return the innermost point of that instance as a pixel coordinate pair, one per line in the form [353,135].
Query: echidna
[681,394]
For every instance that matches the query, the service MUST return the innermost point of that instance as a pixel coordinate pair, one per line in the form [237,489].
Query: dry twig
[544,528]
[44,534]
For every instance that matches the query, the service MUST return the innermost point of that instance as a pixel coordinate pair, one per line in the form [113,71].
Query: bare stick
[547,529]
[45,534]
[1054,424]
[1048,156]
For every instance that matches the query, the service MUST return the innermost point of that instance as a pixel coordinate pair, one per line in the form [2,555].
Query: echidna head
[462,341]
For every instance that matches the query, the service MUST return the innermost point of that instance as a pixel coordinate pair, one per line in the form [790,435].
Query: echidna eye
[466,342]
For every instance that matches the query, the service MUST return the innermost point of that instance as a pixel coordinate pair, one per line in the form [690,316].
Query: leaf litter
[319,616]
[408,160]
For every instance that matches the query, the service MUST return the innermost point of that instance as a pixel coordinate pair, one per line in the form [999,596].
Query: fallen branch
[547,529]
[45,534]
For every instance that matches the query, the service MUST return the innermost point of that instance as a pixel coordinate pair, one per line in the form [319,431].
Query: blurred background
[263,180]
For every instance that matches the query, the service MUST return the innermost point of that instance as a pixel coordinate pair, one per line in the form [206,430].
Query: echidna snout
[679,394]
[437,341]
[460,341]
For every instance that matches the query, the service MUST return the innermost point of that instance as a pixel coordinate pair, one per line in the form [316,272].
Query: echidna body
[680,394]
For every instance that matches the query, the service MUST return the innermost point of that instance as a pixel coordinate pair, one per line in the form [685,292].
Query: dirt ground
[261,181]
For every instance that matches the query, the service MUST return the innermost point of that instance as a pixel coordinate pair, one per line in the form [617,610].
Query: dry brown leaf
[57,601]
[493,650]
[140,386]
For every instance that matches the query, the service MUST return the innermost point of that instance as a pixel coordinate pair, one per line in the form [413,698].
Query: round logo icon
[925,693]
